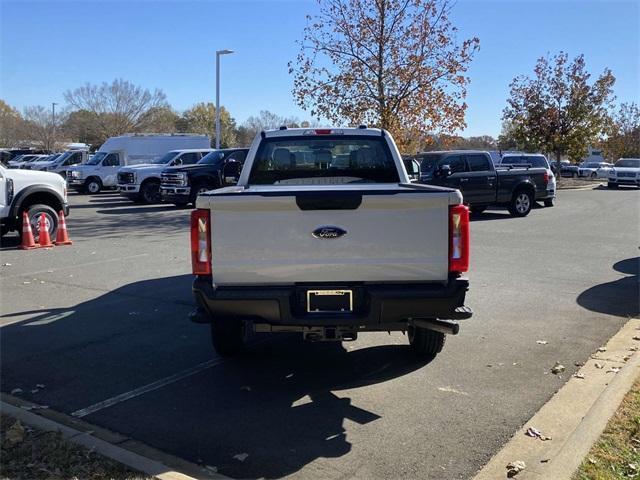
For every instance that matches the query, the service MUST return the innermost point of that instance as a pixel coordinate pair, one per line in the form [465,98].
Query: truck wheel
[150,192]
[478,210]
[574,174]
[521,203]
[197,190]
[594,175]
[227,336]
[424,341]
[92,185]
[50,215]
[549,202]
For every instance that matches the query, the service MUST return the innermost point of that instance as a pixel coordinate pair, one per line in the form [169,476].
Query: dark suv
[181,185]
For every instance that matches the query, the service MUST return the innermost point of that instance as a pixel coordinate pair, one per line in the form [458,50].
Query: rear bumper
[377,306]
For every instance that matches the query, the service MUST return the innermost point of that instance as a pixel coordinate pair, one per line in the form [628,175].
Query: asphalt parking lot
[103,325]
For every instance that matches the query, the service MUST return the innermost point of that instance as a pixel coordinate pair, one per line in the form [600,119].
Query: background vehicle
[412,166]
[603,170]
[181,185]
[64,161]
[536,161]
[141,183]
[28,165]
[590,169]
[554,166]
[324,235]
[20,160]
[101,170]
[569,170]
[482,184]
[34,193]
[626,171]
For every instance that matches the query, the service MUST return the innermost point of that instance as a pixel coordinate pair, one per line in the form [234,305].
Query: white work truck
[32,192]
[141,183]
[101,170]
[325,235]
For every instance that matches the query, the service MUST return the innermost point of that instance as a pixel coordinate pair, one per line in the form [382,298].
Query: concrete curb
[87,438]
[586,187]
[575,416]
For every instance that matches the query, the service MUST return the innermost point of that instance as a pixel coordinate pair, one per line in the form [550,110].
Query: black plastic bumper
[375,305]
[175,198]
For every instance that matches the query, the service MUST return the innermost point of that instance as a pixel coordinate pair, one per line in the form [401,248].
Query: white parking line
[83,412]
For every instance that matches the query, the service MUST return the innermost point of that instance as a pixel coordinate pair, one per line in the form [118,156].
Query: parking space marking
[76,265]
[83,412]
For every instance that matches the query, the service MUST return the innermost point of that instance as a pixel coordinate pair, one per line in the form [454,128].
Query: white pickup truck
[32,192]
[324,234]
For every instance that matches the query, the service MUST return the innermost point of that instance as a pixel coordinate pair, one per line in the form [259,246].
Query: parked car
[32,192]
[554,166]
[20,160]
[590,169]
[101,170]
[63,162]
[141,183]
[603,170]
[569,170]
[626,171]
[482,185]
[28,165]
[536,161]
[181,185]
[308,242]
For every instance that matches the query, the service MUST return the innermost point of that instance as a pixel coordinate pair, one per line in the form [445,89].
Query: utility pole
[53,117]
[218,53]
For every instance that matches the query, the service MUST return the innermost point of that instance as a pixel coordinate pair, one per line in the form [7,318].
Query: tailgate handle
[328,200]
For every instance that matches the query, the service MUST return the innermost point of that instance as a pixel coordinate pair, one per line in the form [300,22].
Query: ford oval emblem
[328,232]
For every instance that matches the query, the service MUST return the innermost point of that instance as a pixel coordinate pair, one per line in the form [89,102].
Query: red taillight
[458,239]
[323,131]
[201,242]
[546,177]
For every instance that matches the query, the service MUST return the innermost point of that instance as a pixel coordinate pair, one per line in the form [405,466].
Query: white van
[135,149]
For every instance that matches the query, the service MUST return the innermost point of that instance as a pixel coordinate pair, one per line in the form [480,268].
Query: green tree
[623,133]
[559,110]
[395,64]
[201,118]
[10,125]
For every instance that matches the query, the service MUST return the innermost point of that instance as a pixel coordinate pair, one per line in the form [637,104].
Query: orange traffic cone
[43,238]
[28,242]
[62,237]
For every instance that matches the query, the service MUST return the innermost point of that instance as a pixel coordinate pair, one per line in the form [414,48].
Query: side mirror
[231,172]
[444,171]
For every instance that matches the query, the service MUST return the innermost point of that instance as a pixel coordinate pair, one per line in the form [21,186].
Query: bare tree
[38,126]
[119,107]
[10,126]
[395,64]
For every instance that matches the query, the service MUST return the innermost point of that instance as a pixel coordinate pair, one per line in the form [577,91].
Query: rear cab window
[323,160]
[478,162]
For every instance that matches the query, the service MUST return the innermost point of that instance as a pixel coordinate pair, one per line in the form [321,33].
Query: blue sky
[50,46]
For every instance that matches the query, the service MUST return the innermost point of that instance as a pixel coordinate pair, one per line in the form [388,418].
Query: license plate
[329,301]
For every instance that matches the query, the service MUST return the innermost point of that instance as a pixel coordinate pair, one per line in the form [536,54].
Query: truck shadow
[620,297]
[283,403]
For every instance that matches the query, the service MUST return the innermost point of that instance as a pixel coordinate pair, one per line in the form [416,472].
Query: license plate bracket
[330,301]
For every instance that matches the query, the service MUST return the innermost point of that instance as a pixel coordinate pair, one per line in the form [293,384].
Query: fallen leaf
[602,349]
[592,461]
[6,264]
[614,370]
[514,468]
[626,358]
[545,460]
[636,337]
[598,365]
[241,456]
[579,375]
[535,433]
[15,433]
[557,368]
[541,342]
[579,364]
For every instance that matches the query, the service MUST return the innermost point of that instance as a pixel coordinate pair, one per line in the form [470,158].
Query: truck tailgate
[265,236]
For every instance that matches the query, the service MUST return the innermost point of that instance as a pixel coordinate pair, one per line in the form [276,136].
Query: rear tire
[92,186]
[549,202]
[197,190]
[227,336]
[425,342]
[521,203]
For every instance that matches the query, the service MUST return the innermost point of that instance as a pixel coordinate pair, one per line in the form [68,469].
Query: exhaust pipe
[437,325]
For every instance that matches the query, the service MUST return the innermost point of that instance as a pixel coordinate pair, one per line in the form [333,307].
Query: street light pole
[53,118]
[218,53]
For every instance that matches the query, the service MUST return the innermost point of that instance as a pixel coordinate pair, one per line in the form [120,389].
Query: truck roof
[290,132]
